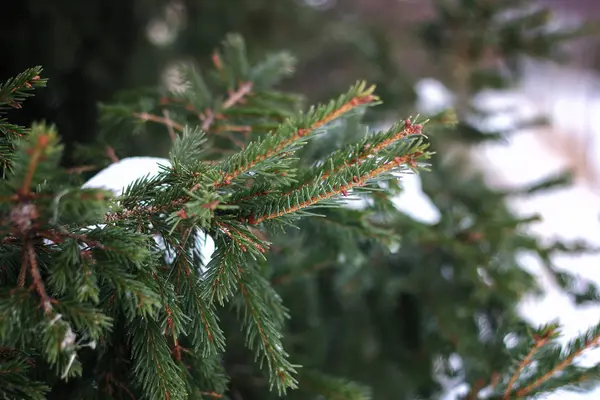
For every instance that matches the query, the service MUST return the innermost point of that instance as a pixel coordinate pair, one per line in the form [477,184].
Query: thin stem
[169,125]
[111,154]
[237,96]
[526,361]
[37,277]
[159,120]
[36,156]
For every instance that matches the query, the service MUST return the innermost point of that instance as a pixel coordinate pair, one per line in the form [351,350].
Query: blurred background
[93,49]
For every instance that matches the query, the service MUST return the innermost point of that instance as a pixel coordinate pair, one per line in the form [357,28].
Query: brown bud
[182,214]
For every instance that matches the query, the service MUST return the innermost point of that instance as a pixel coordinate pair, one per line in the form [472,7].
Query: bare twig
[526,361]
[159,120]
[169,125]
[110,153]
[237,96]
[38,283]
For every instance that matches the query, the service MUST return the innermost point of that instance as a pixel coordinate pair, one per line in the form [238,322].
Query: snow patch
[116,177]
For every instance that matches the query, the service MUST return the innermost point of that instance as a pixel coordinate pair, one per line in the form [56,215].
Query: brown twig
[109,378]
[144,211]
[212,394]
[217,61]
[27,84]
[36,156]
[159,120]
[234,128]
[169,125]
[227,230]
[233,139]
[207,119]
[36,276]
[110,153]
[526,361]
[22,273]
[57,237]
[237,96]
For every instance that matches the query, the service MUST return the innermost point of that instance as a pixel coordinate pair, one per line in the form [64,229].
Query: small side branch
[42,143]
[342,190]
[526,361]
[169,125]
[237,96]
[299,134]
[593,342]
[34,270]
[159,120]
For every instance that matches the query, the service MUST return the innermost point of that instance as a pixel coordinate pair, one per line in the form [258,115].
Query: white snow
[414,203]
[117,176]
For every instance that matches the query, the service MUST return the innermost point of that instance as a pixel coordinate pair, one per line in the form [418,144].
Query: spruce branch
[220,279]
[242,240]
[334,185]
[355,154]
[539,342]
[156,372]
[204,331]
[263,321]
[589,340]
[292,132]
[344,158]
[17,89]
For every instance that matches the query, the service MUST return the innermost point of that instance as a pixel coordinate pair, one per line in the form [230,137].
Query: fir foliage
[92,266]
[93,306]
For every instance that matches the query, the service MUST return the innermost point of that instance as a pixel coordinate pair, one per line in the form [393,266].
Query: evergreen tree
[109,297]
